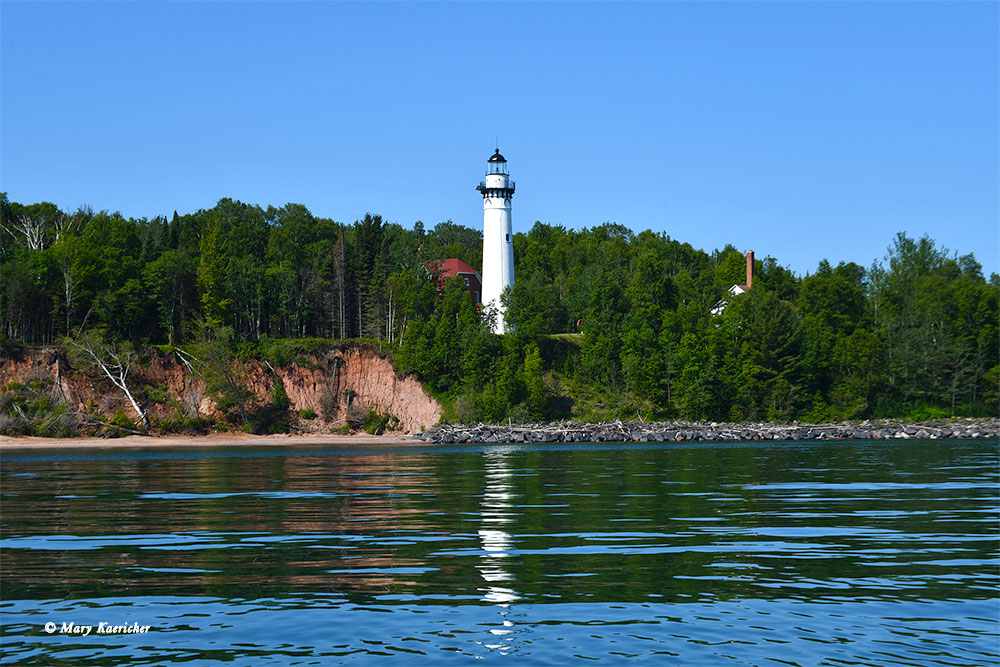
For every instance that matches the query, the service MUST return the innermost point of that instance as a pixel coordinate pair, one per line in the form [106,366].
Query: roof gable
[449,268]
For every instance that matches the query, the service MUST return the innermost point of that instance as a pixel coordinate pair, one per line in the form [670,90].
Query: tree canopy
[604,322]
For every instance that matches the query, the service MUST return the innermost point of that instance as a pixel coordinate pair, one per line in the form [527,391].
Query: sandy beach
[8,444]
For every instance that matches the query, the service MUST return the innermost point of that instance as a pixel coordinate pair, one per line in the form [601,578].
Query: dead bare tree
[32,229]
[66,225]
[113,360]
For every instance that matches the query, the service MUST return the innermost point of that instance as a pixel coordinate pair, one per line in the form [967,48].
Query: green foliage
[122,420]
[535,400]
[928,413]
[151,394]
[213,358]
[279,399]
[453,345]
[603,322]
[281,351]
[267,420]
[170,281]
[307,413]
[34,407]
[571,338]
[181,423]
[377,424]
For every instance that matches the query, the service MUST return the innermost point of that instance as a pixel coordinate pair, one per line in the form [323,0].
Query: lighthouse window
[508,238]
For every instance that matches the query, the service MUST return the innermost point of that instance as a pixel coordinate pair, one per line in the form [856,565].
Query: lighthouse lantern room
[498,244]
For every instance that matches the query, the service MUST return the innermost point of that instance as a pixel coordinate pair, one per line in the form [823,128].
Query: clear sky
[801,130]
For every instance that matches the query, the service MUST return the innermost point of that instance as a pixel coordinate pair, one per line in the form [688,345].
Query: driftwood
[679,431]
[90,420]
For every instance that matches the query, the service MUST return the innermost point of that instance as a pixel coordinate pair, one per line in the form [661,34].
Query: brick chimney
[749,269]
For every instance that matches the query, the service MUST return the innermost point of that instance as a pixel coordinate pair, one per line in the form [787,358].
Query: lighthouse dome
[496,157]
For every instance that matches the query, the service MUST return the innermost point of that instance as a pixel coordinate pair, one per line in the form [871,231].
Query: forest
[604,322]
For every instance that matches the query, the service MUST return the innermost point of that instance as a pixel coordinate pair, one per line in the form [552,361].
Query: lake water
[840,553]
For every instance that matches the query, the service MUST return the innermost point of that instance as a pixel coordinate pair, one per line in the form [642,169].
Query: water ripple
[833,554]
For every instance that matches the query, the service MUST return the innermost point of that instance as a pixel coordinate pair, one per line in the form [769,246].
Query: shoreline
[686,431]
[9,444]
[617,431]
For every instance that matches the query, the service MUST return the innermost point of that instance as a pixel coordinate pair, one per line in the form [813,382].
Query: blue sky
[801,130]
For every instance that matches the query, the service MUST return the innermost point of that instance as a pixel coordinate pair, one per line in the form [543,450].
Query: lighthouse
[498,243]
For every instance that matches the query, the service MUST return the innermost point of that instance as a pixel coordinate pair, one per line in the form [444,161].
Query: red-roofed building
[449,268]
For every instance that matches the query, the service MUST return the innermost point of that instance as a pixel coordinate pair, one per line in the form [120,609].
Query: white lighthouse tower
[498,243]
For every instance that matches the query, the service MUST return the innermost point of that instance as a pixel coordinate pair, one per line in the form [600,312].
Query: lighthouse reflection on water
[496,513]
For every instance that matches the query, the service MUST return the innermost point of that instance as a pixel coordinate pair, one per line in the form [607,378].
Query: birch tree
[112,360]
[31,228]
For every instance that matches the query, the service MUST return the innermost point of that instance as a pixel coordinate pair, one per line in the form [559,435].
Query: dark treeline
[262,272]
[606,322]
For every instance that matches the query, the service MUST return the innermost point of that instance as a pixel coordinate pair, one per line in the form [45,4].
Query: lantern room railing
[482,186]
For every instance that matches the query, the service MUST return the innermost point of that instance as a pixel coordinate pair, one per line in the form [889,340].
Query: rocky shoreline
[680,431]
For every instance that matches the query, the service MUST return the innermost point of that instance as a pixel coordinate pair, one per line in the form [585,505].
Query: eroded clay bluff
[342,382]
